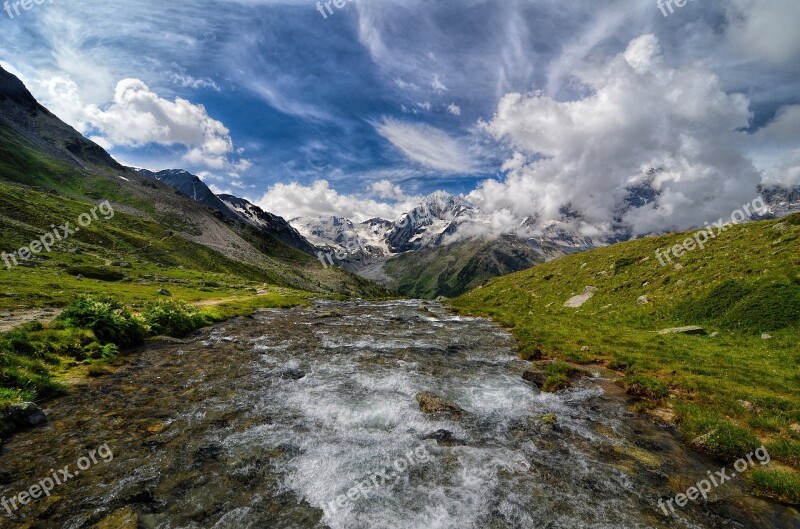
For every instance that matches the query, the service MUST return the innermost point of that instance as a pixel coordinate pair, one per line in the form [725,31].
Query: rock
[5,315]
[442,299]
[121,519]
[445,438]
[766,336]
[690,329]
[536,378]
[678,266]
[423,308]
[795,428]
[125,265]
[579,300]
[714,334]
[156,427]
[585,349]
[643,300]
[434,404]
[164,292]
[207,452]
[26,415]
[292,374]
[747,405]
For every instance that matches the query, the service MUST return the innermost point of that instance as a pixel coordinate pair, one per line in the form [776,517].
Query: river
[271,421]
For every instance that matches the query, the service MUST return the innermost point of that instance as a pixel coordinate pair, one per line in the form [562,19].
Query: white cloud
[386,189]
[427,145]
[320,200]
[137,116]
[777,147]
[640,115]
[765,29]
[454,109]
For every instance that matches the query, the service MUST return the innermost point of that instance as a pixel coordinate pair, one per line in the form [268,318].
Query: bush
[173,318]
[107,319]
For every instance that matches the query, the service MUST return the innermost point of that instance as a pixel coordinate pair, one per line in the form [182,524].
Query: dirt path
[10,320]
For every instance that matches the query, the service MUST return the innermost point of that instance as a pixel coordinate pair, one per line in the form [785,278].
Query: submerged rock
[445,438]
[434,404]
[121,519]
[292,374]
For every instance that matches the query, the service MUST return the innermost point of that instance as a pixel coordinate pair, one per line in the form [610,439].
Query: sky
[527,107]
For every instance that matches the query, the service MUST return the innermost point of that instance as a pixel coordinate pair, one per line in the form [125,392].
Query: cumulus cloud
[777,147]
[454,109]
[427,145]
[765,29]
[580,155]
[320,200]
[137,116]
[386,189]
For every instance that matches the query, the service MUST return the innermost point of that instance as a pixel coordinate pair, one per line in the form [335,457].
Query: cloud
[765,29]
[137,116]
[427,146]
[320,200]
[777,147]
[386,189]
[640,114]
[454,109]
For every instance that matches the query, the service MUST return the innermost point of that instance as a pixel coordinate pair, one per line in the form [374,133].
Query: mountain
[272,224]
[47,169]
[193,187]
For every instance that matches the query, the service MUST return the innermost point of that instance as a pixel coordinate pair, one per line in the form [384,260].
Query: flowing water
[271,421]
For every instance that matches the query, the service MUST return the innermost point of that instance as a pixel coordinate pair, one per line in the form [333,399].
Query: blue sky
[361,113]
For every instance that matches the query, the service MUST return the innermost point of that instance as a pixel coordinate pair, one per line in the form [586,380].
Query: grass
[734,388]
[36,358]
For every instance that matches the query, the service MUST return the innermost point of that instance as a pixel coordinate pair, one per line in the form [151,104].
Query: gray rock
[766,336]
[164,292]
[434,404]
[690,329]
[643,300]
[578,301]
[26,415]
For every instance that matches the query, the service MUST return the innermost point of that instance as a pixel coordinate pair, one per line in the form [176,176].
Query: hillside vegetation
[728,392]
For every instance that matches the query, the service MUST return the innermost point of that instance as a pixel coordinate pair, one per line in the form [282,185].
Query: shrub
[107,319]
[173,318]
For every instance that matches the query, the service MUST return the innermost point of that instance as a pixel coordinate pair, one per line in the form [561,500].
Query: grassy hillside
[728,392]
[456,268]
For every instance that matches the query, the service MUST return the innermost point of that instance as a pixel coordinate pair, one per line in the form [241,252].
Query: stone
[434,404]
[585,348]
[643,300]
[26,415]
[445,438]
[578,301]
[164,292]
[292,374]
[120,519]
[714,334]
[537,378]
[766,336]
[689,329]
[442,299]
[795,428]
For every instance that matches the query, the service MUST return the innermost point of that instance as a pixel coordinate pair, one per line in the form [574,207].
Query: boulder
[445,438]
[578,301]
[164,292]
[25,415]
[434,404]
[689,329]
[537,378]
